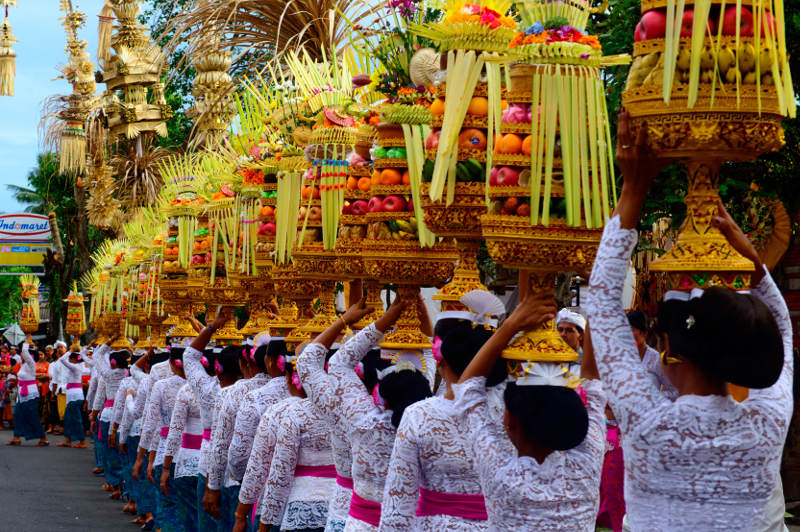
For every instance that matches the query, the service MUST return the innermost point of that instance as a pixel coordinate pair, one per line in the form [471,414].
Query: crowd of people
[333,436]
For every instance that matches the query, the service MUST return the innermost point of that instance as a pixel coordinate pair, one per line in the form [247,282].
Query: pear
[684,59]
[733,75]
[707,58]
[765,60]
[747,57]
[655,77]
[749,78]
[725,59]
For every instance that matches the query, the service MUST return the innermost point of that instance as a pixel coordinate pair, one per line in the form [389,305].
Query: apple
[637,34]
[315,213]
[410,204]
[375,204]
[360,207]
[315,193]
[262,228]
[347,208]
[653,25]
[507,177]
[493,176]
[394,203]
[270,228]
[302,213]
[728,22]
[687,23]
[511,205]
[524,210]
[768,21]
[432,142]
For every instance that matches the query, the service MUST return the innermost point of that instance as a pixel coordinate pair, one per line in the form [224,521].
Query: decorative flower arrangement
[554,30]
[483,15]
[251,176]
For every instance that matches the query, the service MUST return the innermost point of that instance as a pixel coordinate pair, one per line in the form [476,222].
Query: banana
[707,76]
[749,78]
[684,59]
[405,226]
[651,60]
[747,57]
[635,75]
[683,76]
[765,60]
[413,222]
[405,236]
[707,58]
[640,72]
[395,236]
[656,76]
[733,75]
[725,59]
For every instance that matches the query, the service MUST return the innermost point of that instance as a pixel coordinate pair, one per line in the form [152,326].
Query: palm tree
[34,202]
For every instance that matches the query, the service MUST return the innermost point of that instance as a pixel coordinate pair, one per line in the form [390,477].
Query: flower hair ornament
[178,363]
[281,363]
[359,369]
[217,366]
[436,349]
[547,374]
[397,367]
[484,308]
[376,397]
[296,381]
[204,361]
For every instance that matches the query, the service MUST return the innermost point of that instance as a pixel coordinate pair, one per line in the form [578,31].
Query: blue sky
[40,50]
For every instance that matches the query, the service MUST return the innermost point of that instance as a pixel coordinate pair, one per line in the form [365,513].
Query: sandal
[14,442]
[148,525]
[79,446]
[63,444]
[96,470]
[107,487]
[43,444]
[138,521]
[115,495]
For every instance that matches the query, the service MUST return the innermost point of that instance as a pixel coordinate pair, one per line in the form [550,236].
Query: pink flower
[582,394]
[376,397]
[436,348]
[281,363]
[359,369]
[296,381]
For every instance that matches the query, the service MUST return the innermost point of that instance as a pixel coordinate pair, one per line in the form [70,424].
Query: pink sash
[23,387]
[345,482]
[324,471]
[454,504]
[207,434]
[109,403]
[164,432]
[364,510]
[73,385]
[191,441]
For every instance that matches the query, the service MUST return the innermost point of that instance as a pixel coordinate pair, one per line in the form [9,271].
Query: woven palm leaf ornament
[8,57]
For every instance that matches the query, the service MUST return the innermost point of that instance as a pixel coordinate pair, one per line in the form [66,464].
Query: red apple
[270,228]
[410,204]
[745,24]
[360,207]
[687,22]
[493,176]
[375,204]
[347,208]
[262,228]
[394,204]
[653,25]
[315,193]
[507,177]
[524,210]
[637,34]
[432,142]
[768,20]
[302,214]
[315,213]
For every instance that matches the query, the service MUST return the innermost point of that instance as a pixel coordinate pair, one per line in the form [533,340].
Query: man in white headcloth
[570,327]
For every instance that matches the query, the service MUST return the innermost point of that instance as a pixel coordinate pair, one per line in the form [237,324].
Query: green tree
[33,201]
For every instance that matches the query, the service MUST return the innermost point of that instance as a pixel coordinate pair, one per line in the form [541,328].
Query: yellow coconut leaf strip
[717,46]
[591,119]
[671,44]
[495,116]
[569,139]
[699,25]
[537,145]
[778,76]
[550,100]
[565,125]
[757,18]
[607,161]
[446,139]
[583,148]
[788,90]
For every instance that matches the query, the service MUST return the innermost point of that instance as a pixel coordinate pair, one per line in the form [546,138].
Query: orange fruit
[510,144]
[305,192]
[526,145]
[266,211]
[437,107]
[497,140]
[390,176]
[472,139]
[352,183]
[376,177]
[364,184]
[406,178]
[478,106]
[503,105]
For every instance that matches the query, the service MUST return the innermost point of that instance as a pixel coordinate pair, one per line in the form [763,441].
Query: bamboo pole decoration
[8,57]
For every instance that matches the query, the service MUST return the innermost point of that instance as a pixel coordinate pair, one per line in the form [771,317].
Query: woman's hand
[739,241]
[356,312]
[224,314]
[392,314]
[137,468]
[535,309]
[165,482]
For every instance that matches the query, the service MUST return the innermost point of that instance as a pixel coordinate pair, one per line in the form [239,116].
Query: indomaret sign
[24,239]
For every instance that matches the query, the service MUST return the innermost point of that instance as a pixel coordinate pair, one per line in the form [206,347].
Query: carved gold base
[222,293]
[373,301]
[465,276]
[228,335]
[29,326]
[407,335]
[515,243]
[326,313]
[300,335]
[701,256]
[399,261]
[543,344]
[462,218]
[286,321]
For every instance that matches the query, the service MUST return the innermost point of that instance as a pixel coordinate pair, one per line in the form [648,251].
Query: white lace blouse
[185,420]
[27,372]
[369,427]
[111,380]
[561,493]
[206,388]
[253,405]
[324,391]
[159,414]
[301,441]
[137,410]
[255,475]
[700,462]
[221,436]
[75,374]
[433,451]
[652,361]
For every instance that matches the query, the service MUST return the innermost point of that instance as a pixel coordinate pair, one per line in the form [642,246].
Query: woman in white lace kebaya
[371,427]
[704,461]
[552,482]
[302,476]
[432,484]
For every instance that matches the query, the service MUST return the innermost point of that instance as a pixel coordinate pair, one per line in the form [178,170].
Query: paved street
[52,489]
